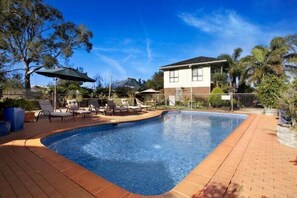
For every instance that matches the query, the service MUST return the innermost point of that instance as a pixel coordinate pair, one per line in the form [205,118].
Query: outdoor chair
[95,107]
[140,104]
[72,106]
[129,107]
[47,110]
[111,107]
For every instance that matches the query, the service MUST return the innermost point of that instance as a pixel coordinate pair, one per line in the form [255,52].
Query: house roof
[200,60]
[129,82]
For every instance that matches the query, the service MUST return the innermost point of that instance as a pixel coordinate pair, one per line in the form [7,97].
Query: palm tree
[265,61]
[235,69]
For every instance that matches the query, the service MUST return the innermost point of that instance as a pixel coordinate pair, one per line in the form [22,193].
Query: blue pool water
[146,157]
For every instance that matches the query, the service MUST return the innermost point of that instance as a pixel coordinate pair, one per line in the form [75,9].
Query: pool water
[146,157]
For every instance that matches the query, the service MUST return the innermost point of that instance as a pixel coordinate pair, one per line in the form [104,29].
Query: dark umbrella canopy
[66,74]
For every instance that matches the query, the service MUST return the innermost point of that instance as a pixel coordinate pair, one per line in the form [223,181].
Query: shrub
[200,101]
[215,98]
[22,103]
[269,90]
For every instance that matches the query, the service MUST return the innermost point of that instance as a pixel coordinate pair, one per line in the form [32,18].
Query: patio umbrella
[65,74]
[150,91]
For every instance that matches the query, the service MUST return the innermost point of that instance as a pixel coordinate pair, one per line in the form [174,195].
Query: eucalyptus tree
[234,69]
[35,35]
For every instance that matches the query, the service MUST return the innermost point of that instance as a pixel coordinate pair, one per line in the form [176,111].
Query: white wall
[185,77]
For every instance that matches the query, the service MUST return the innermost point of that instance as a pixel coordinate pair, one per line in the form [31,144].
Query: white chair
[48,111]
[127,106]
[140,104]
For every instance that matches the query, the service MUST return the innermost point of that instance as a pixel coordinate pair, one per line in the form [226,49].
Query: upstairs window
[173,76]
[197,74]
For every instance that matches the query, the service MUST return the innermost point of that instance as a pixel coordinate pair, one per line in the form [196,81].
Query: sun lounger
[140,104]
[129,107]
[111,106]
[95,107]
[72,106]
[47,110]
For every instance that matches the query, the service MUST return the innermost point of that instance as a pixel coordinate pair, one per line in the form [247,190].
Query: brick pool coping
[220,174]
[98,186]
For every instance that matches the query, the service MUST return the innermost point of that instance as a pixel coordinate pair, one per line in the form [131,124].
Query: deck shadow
[219,190]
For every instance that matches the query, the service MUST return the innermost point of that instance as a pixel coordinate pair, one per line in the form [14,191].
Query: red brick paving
[249,163]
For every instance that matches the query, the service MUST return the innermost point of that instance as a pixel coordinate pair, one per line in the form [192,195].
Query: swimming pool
[146,157]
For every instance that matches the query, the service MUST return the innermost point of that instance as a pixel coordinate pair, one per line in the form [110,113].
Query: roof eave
[192,64]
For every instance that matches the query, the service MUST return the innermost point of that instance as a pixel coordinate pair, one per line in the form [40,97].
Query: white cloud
[128,57]
[148,49]
[220,22]
[103,49]
[119,71]
[229,30]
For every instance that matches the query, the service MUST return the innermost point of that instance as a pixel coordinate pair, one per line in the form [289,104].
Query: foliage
[2,75]
[215,97]
[122,92]
[269,60]
[220,79]
[99,81]
[32,32]
[67,87]
[291,41]
[287,101]
[157,81]
[234,69]
[22,103]
[245,88]
[101,92]
[200,101]
[12,85]
[269,90]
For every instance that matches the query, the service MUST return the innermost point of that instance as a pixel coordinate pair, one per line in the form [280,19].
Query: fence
[237,100]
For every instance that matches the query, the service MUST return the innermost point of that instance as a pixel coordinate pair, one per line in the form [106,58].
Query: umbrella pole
[55,94]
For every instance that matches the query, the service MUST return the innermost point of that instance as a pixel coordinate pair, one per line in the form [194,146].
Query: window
[173,76]
[197,74]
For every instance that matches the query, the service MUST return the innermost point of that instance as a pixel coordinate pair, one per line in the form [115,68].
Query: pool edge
[99,186]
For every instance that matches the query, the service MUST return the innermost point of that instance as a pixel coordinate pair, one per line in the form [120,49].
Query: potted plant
[13,112]
[268,92]
[287,128]
[4,127]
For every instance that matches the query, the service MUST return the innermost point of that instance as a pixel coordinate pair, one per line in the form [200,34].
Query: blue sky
[134,38]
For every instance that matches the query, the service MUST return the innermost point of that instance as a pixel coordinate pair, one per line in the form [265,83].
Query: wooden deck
[249,163]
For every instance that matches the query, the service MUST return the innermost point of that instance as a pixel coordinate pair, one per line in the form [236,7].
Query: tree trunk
[27,82]
[27,77]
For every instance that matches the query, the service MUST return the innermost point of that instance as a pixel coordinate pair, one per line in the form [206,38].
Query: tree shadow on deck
[294,161]
[218,190]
